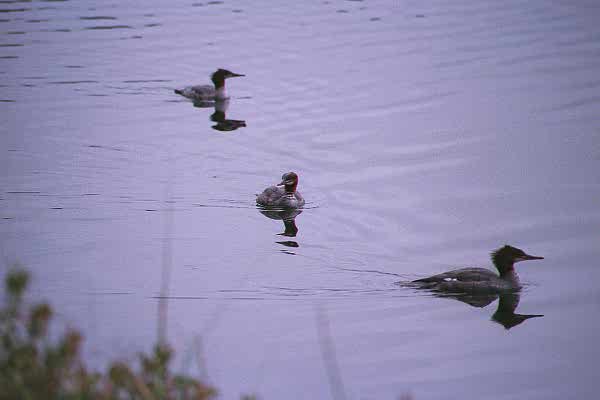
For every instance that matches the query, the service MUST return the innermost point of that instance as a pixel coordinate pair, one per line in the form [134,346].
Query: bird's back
[197,92]
[463,275]
[275,196]
[269,196]
[466,280]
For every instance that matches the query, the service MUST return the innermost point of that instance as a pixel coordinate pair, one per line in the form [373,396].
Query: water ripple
[107,27]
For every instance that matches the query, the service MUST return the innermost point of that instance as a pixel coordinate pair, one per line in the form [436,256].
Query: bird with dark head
[481,280]
[208,92]
[283,195]
[218,77]
[506,256]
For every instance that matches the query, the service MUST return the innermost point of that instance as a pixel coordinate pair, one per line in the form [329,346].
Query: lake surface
[425,134]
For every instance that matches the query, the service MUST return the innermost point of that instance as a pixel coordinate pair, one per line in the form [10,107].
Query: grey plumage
[466,280]
[283,195]
[208,92]
[275,196]
[198,92]
[480,280]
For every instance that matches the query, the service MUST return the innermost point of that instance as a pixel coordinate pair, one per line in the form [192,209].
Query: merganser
[207,92]
[287,197]
[481,280]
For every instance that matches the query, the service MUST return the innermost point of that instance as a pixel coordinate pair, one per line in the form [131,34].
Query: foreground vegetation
[33,366]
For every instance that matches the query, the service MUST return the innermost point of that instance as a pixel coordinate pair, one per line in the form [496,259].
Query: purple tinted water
[425,135]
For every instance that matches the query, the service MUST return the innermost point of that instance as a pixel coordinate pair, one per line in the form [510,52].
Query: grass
[33,366]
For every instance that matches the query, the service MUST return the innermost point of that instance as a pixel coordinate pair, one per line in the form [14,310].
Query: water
[425,136]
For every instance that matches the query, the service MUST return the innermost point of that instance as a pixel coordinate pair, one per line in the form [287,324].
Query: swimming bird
[207,92]
[286,197]
[481,280]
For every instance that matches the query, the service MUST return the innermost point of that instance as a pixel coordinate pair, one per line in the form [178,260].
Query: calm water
[425,134]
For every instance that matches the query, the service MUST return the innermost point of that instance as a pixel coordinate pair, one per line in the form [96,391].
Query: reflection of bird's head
[505,314]
[227,125]
[289,243]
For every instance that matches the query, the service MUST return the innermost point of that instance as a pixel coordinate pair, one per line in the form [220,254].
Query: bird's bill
[528,257]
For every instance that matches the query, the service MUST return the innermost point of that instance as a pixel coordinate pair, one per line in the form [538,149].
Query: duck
[208,92]
[481,280]
[283,195]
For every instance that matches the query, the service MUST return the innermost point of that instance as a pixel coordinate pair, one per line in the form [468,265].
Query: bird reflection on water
[219,115]
[288,217]
[505,312]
